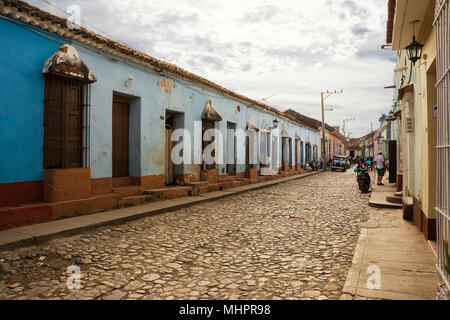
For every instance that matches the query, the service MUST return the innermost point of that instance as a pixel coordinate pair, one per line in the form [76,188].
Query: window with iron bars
[66,123]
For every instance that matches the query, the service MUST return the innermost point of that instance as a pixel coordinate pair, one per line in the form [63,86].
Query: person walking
[381,167]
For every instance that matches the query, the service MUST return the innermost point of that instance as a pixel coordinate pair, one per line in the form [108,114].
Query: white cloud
[293,49]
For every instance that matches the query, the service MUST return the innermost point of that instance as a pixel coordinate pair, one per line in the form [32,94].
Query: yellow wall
[428,98]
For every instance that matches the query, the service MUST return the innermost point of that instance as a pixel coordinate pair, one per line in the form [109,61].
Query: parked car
[339,163]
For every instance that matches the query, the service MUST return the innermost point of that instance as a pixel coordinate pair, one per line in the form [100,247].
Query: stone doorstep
[378,200]
[237,183]
[262,178]
[168,193]
[93,204]
[244,181]
[134,200]
[392,198]
[128,190]
[40,212]
[198,187]
[226,178]
[12,217]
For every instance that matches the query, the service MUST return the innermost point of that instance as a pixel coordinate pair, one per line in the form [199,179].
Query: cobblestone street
[294,240]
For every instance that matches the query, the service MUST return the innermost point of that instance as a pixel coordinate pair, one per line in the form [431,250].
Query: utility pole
[324,96]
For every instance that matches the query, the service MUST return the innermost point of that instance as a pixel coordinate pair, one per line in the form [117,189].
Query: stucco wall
[181,97]
[429,125]
[151,95]
[22,56]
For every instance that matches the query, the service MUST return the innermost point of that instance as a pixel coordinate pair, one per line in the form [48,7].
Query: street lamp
[275,123]
[414,49]
[324,96]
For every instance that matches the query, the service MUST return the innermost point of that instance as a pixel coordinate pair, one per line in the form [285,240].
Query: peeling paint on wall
[167,84]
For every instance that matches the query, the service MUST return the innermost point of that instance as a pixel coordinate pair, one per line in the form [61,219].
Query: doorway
[251,149]
[168,164]
[308,152]
[285,150]
[231,148]
[275,154]
[207,125]
[120,136]
[302,153]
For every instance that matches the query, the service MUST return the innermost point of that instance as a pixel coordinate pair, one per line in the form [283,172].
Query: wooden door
[392,161]
[120,136]
[169,168]
[231,148]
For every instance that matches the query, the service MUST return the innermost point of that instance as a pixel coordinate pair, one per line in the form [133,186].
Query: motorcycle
[363,179]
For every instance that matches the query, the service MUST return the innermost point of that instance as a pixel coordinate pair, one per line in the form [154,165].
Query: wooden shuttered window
[63,122]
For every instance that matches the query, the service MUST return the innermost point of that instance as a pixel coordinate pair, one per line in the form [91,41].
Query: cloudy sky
[288,50]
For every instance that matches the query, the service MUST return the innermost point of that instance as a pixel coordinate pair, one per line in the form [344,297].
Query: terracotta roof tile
[390,20]
[306,121]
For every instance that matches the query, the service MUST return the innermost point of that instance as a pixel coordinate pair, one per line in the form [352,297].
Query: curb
[23,236]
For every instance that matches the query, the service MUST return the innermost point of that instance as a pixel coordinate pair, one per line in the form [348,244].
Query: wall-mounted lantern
[275,123]
[414,49]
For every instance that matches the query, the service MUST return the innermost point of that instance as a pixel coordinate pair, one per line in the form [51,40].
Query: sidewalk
[405,260]
[43,231]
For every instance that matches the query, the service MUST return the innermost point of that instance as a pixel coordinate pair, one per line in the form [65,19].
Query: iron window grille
[66,123]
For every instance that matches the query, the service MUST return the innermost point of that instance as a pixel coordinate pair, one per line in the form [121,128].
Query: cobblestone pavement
[294,240]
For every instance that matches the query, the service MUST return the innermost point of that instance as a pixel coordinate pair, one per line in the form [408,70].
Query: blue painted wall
[21,112]
[22,56]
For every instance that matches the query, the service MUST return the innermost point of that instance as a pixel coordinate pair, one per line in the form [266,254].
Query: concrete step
[134,200]
[39,212]
[227,184]
[79,207]
[273,177]
[26,214]
[237,183]
[169,193]
[393,199]
[378,200]
[198,187]
[262,178]
[128,190]
[398,194]
[226,178]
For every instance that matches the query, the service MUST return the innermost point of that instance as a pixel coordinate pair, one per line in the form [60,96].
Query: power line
[86,23]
